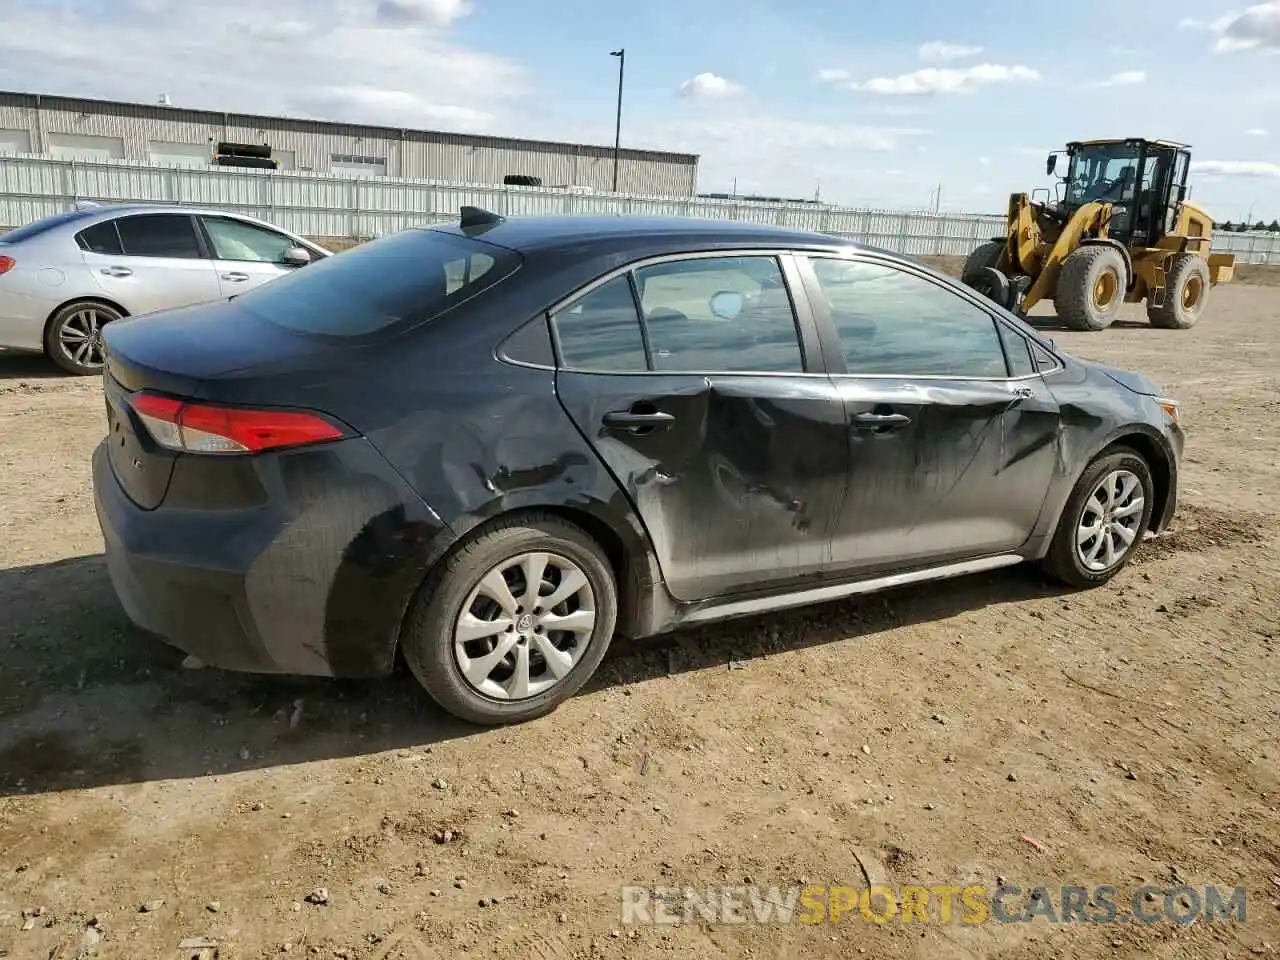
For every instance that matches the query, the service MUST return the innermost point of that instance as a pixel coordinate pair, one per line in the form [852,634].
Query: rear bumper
[312,579]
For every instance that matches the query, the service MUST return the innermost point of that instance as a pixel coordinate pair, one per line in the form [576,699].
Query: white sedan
[63,277]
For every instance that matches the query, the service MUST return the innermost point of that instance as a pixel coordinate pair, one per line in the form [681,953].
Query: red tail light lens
[6,264]
[208,428]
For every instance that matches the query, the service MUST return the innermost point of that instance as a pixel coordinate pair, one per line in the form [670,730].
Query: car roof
[550,232]
[111,209]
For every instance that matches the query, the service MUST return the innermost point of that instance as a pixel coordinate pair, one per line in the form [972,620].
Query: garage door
[180,154]
[15,141]
[77,146]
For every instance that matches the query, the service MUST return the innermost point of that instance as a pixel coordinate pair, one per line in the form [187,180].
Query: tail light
[207,428]
[6,264]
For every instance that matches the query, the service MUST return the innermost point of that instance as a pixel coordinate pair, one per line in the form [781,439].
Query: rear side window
[726,314]
[697,315]
[100,238]
[38,227]
[404,278]
[602,330]
[171,235]
[1018,352]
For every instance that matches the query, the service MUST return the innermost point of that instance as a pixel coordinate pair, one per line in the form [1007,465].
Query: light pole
[617,130]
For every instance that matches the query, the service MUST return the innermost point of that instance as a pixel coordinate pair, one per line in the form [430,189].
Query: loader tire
[1091,288]
[985,256]
[1186,289]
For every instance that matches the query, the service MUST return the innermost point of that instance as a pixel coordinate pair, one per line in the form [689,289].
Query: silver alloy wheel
[525,626]
[81,336]
[1111,520]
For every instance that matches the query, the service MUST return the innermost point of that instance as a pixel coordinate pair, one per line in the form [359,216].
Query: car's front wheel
[514,622]
[1105,519]
[73,338]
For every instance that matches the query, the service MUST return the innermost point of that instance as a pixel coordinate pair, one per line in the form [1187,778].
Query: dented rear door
[737,479]
[698,381]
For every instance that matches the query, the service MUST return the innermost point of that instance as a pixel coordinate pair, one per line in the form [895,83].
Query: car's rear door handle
[879,421]
[633,420]
[235,277]
[116,272]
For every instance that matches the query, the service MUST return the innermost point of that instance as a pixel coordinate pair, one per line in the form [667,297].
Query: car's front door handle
[235,277]
[632,420]
[116,272]
[879,421]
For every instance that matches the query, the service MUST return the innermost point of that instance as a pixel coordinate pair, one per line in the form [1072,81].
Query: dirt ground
[986,730]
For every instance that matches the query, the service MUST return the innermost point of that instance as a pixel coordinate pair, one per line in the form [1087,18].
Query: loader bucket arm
[1092,219]
[1023,236]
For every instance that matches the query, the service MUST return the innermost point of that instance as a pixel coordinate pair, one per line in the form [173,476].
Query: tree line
[1260,227]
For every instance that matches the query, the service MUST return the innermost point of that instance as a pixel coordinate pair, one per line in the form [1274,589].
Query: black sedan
[492,445]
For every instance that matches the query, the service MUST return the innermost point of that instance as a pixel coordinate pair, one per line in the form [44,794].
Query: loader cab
[1143,180]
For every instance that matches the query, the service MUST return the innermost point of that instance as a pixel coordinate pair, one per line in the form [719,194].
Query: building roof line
[159,111]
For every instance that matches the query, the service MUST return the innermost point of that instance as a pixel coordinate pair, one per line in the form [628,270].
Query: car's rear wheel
[73,338]
[1105,519]
[514,622]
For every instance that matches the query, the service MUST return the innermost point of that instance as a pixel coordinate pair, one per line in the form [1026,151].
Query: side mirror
[727,304]
[1051,165]
[297,257]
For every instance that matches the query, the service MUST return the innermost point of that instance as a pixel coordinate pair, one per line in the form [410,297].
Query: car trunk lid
[192,353]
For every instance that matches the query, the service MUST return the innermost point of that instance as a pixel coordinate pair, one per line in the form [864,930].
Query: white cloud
[1258,27]
[985,161]
[833,75]
[1257,132]
[1236,168]
[936,51]
[933,80]
[1213,26]
[708,86]
[434,13]
[328,59]
[1124,78]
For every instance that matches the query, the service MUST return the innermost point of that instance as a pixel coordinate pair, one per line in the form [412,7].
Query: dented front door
[737,478]
[942,470]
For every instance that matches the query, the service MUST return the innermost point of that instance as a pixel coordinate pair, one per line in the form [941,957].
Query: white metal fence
[325,205]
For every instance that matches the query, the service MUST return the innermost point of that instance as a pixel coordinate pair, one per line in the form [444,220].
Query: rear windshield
[48,223]
[404,278]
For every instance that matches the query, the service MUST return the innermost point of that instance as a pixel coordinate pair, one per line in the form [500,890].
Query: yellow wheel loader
[1120,230]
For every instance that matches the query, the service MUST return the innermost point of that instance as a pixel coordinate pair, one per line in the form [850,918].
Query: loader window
[1106,173]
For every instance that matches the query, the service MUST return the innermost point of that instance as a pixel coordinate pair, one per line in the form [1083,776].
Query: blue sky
[868,102]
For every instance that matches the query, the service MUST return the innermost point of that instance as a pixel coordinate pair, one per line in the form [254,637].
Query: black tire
[1063,562]
[984,256]
[1087,275]
[1187,274]
[75,316]
[428,641]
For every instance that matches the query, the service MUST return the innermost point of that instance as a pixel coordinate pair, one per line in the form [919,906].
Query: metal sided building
[72,128]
